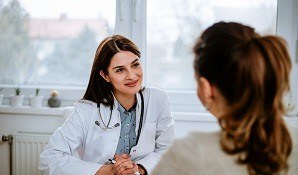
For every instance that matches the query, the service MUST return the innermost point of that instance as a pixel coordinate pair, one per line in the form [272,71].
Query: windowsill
[178,116]
[25,110]
[6,109]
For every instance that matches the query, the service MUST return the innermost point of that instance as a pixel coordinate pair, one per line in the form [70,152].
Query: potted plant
[1,96]
[36,100]
[18,99]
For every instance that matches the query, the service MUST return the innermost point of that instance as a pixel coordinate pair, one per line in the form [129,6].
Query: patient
[241,79]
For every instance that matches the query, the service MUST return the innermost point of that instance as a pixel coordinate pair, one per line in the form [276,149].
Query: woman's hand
[106,170]
[142,170]
[124,165]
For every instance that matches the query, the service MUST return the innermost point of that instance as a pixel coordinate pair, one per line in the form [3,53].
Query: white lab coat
[80,147]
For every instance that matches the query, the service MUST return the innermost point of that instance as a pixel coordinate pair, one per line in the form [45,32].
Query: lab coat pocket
[147,139]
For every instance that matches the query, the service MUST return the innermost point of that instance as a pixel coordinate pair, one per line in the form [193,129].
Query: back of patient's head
[251,72]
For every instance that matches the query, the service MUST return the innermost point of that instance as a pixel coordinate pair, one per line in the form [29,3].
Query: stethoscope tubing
[106,127]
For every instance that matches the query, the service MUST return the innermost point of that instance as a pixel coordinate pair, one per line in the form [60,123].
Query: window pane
[172,27]
[52,42]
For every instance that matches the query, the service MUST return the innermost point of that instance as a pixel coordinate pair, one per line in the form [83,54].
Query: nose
[130,74]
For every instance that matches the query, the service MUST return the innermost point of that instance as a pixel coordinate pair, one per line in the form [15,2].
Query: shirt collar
[121,109]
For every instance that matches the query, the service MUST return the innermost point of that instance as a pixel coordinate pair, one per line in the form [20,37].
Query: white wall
[26,119]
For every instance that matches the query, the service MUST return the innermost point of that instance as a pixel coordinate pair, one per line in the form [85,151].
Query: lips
[132,84]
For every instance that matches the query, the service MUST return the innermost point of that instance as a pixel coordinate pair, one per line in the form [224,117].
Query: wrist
[142,169]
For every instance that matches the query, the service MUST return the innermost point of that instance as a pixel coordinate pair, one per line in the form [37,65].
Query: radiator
[26,150]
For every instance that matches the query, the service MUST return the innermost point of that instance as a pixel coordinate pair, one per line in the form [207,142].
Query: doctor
[118,127]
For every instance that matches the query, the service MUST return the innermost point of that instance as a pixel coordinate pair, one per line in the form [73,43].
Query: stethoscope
[108,127]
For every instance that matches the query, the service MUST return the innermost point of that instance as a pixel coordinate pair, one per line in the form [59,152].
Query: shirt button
[129,114]
[127,124]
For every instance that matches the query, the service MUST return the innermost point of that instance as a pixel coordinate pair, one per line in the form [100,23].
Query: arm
[106,170]
[58,156]
[164,136]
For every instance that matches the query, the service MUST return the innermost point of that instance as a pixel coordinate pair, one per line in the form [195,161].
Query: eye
[136,65]
[119,70]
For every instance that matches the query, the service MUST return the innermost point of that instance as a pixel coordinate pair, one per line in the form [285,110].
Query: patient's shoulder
[197,143]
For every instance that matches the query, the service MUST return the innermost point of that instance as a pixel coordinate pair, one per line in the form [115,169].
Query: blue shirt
[127,137]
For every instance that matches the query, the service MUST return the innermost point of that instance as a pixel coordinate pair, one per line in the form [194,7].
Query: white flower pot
[36,101]
[17,100]
[1,99]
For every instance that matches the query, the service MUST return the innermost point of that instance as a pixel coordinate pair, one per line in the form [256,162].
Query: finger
[125,155]
[116,156]
[121,160]
[131,171]
[128,172]
[135,167]
[123,167]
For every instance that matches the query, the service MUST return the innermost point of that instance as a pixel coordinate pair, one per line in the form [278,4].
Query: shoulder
[155,94]
[84,107]
[205,136]
[84,104]
[178,154]
[183,152]
[192,143]
[154,91]
[199,141]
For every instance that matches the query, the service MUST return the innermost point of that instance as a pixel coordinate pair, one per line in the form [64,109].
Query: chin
[133,90]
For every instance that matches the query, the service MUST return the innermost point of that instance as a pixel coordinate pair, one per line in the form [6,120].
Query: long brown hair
[99,90]
[252,74]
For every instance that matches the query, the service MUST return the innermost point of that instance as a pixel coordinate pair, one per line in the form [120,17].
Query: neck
[127,101]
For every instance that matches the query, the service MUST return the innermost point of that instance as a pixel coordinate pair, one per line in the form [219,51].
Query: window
[51,43]
[170,38]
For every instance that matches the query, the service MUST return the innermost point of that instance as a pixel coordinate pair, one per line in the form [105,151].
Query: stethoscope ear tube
[141,118]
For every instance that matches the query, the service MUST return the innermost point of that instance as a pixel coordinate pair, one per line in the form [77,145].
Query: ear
[104,76]
[205,91]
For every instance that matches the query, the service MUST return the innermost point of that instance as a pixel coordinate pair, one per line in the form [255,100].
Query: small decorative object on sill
[1,96]
[36,100]
[18,99]
[54,101]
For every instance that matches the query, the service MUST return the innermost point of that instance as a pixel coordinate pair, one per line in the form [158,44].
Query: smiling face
[125,73]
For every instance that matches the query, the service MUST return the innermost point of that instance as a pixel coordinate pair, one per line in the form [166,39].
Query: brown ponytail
[252,73]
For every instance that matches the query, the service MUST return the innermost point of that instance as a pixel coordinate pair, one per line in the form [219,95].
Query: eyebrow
[124,66]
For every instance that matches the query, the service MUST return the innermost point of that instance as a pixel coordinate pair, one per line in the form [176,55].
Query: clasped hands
[123,166]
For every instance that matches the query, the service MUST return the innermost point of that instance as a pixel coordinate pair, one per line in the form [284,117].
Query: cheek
[116,79]
[140,73]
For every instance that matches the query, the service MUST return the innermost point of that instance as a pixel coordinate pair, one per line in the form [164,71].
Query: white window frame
[287,27]
[131,22]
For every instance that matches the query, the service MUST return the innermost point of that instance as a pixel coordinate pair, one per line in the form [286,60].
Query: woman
[118,127]
[241,79]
